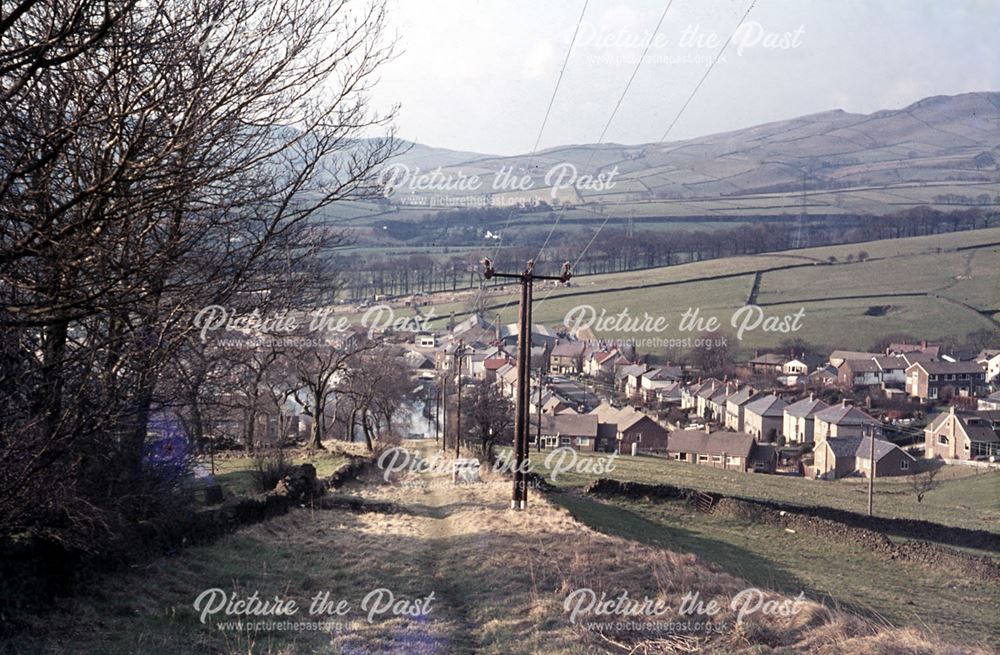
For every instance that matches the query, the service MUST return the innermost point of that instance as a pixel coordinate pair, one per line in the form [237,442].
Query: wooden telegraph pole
[459,353]
[871,466]
[519,496]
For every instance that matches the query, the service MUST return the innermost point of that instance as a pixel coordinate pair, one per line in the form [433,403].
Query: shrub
[269,467]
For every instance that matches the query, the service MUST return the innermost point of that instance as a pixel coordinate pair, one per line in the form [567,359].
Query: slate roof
[805,407]
[716,443]
[844,415]
[769,405]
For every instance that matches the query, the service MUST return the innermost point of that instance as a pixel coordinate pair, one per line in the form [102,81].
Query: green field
[836,573]
[847,305]
[966,498]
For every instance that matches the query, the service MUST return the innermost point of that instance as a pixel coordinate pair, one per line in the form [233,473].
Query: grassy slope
[927,265]
[499,580]
[971,501]
[836,573]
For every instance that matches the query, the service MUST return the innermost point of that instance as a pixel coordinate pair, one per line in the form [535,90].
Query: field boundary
[902,528]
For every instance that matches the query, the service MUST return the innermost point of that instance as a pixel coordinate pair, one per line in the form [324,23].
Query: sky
[478,75]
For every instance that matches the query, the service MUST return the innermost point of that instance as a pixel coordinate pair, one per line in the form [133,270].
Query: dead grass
[499,578]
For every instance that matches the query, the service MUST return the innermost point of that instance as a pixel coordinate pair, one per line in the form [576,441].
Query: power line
[611,118]
[677,117]
[541,129]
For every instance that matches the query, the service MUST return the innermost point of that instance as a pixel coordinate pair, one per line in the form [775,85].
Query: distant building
[799,419]
[963,435]
[763,417]
[838,457]
[933,380]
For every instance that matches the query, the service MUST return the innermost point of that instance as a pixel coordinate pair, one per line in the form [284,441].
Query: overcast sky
[478,74]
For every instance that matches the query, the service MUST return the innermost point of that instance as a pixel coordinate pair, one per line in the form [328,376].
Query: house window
[638,437]
[702,458]
[943,440]
[565,441]
[903,465]
[717,458]
[932,392]
[681,457]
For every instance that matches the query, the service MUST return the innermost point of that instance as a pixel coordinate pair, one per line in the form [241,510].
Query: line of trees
[616,249]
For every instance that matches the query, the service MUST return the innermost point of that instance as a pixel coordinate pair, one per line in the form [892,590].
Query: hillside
[934,287]
[941,150]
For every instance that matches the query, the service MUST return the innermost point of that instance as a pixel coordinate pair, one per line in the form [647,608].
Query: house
[633,427]
[624,373]
[932,350]
[567,357]
[892,369]
[704,393]
[670,395]
[506,379]
[577,431]
[426,340]
[721,449]
[735,406]
[855,373]
[798,421]
[990,360]
[838,357]
[660,377]
[990,402]
[933,380]
[823,377]
[837,457]
[689,395]
[841,420]
[715,405]
[962,435]
[603,363]
[763,417]
[768,363]
[795,367]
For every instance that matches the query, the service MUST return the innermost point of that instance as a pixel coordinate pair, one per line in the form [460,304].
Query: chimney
[923,344]
[708,430]
[812,396]
[843,403]
[951,410]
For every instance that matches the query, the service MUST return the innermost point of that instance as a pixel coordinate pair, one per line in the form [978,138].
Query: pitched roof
[976,425]
[937,368]
[769,358]
[861,365]
[577,425]
[844,415]
[887,362]
[663,373]
[741,396]
[769,405]
[860,447]
[806,407]
[850,354]
[568,349]
[716,443]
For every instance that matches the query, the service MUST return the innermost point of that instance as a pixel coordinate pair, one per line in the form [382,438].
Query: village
[778,413]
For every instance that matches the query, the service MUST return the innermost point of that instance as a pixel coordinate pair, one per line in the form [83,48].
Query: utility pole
[541,383]
[871,466]
[459,353]
[437,410]
[519,496]
[444,411]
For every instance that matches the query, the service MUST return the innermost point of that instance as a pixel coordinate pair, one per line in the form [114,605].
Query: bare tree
[923,482]
[489,416]
[156,158]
